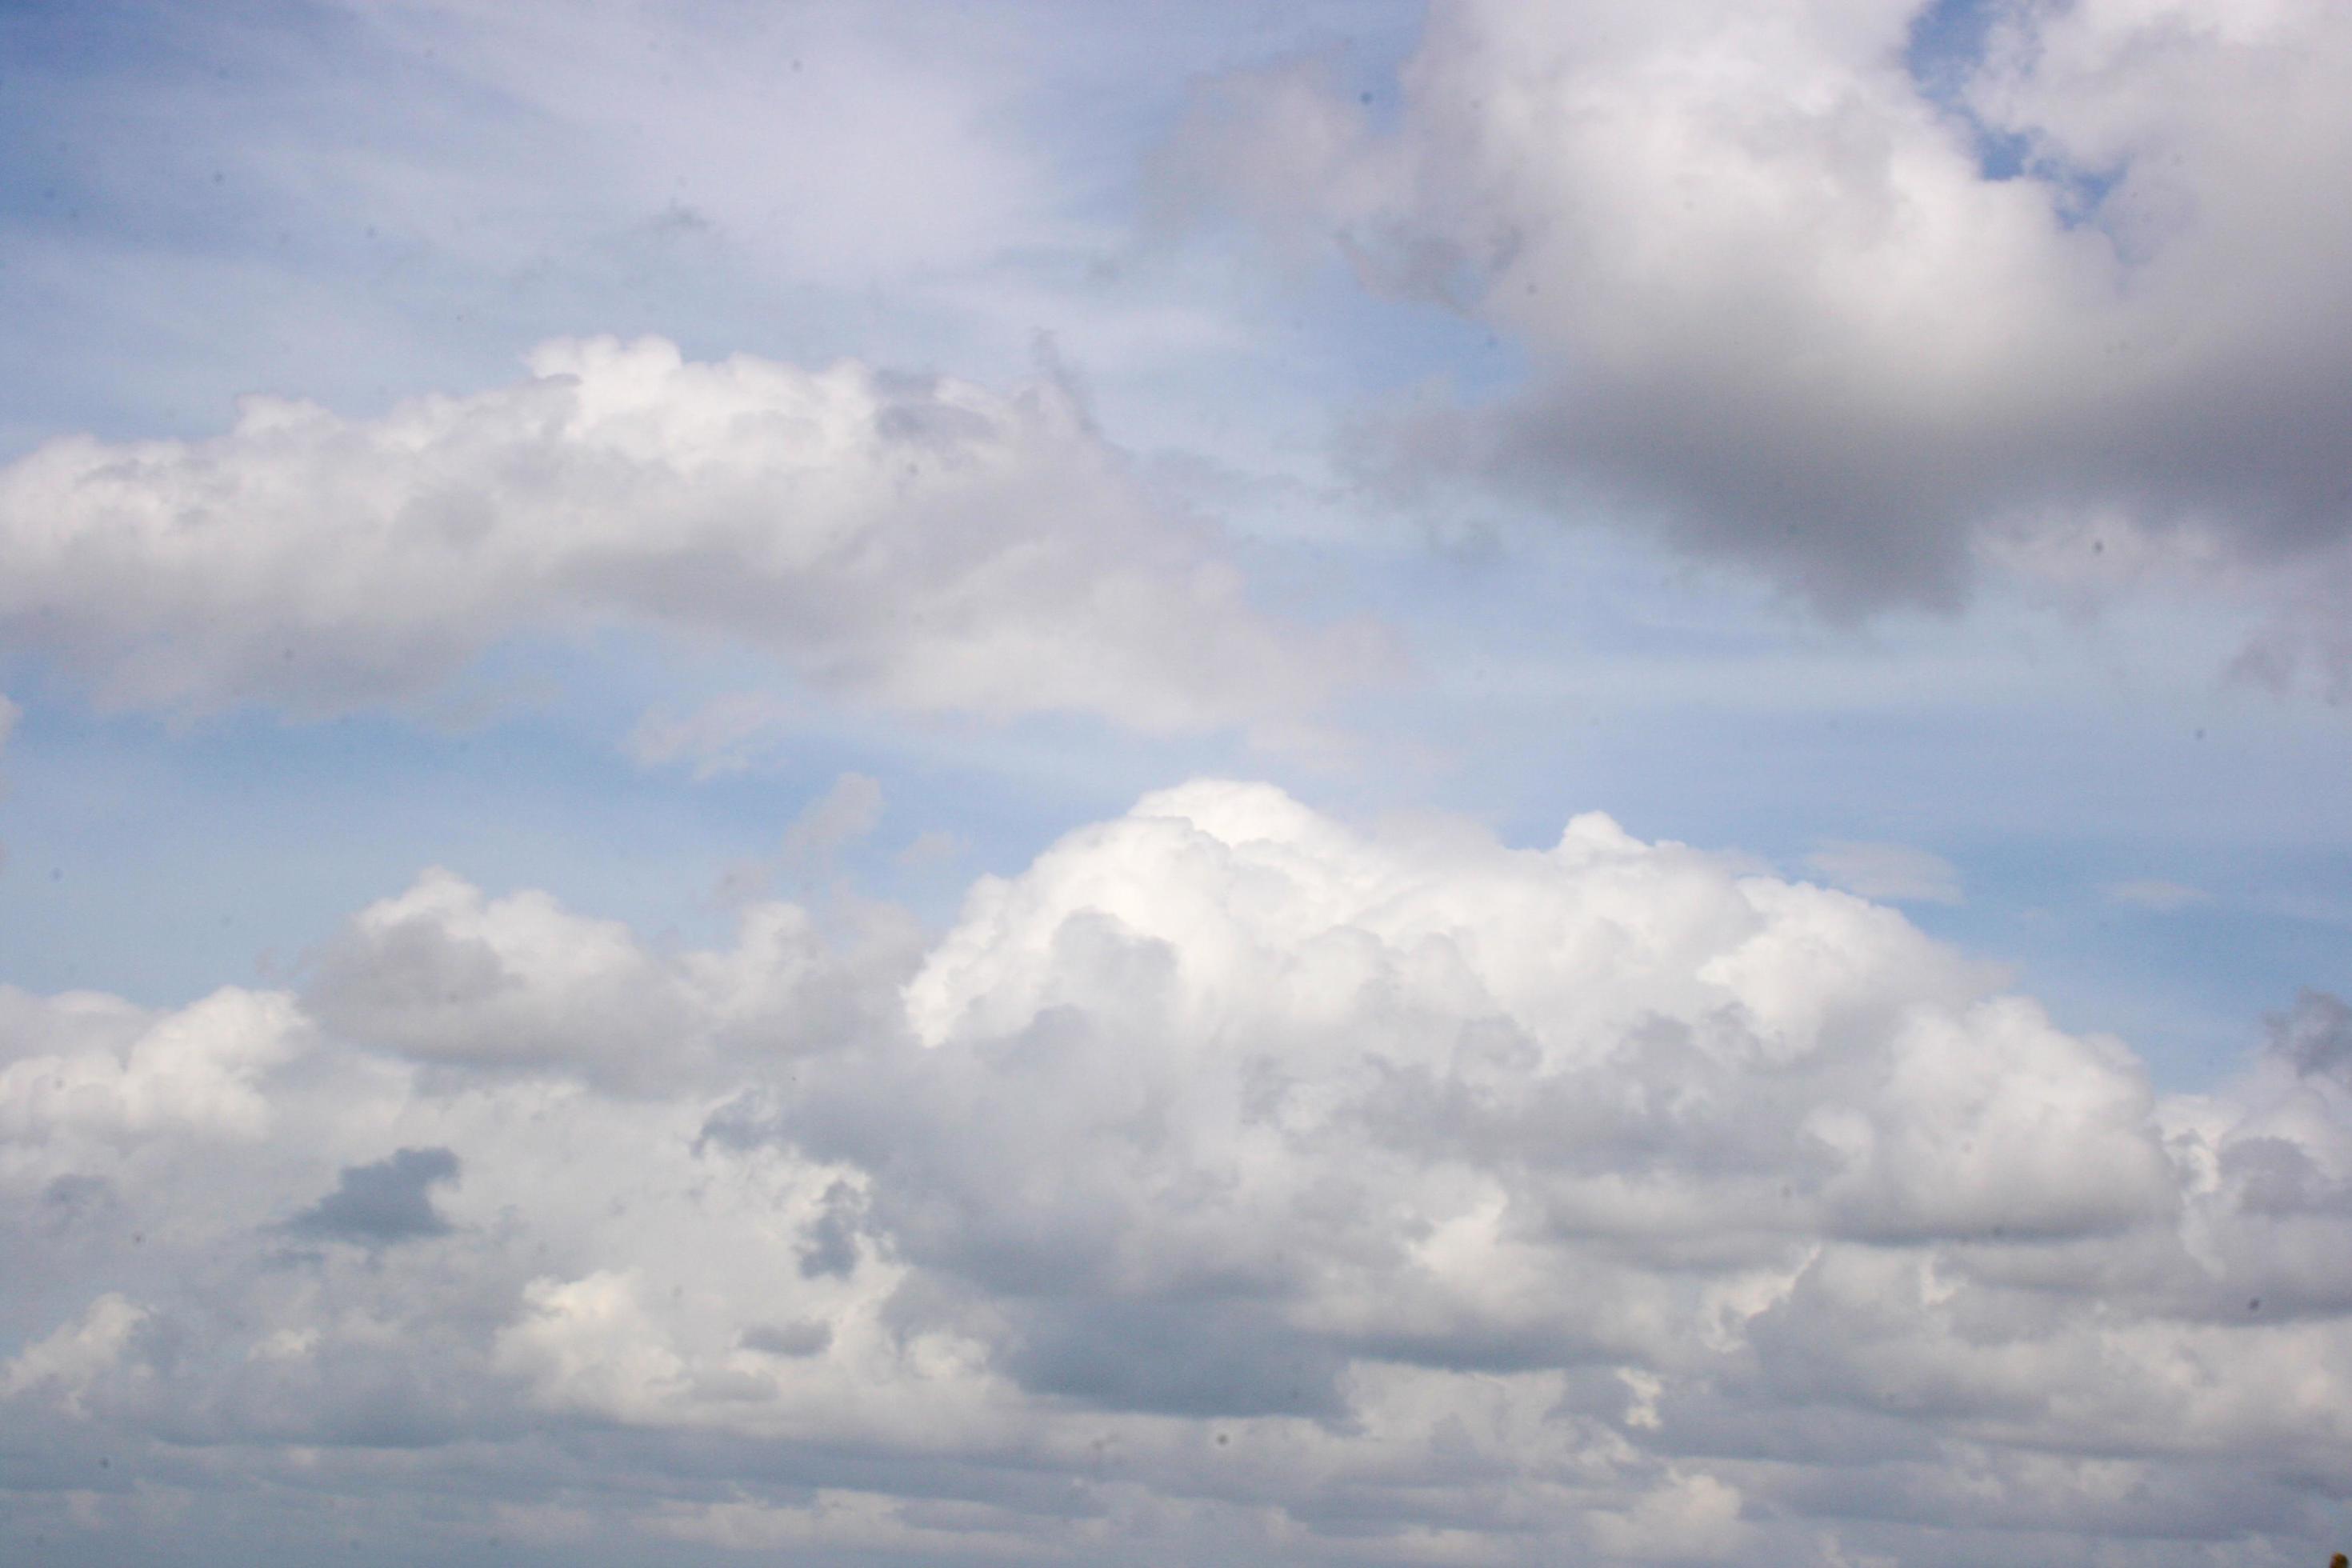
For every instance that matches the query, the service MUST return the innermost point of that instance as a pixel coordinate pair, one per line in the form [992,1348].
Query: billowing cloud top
[1229,1179]
[920,541]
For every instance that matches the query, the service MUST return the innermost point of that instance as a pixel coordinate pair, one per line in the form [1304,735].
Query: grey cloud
[72,1201]
[388,1201]
[803,1338]
[830,1247]
[2315,1037]
[1197,1358]
[1788,303]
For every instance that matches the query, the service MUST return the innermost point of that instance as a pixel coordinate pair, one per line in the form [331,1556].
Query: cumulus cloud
[1228,1185]
[1859,294]
[926,544]
[446,974]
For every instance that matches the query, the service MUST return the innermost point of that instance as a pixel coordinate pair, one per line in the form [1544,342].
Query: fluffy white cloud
[1228,1185]
[443,974]
[1857,291]
[922,542]
[115,1070]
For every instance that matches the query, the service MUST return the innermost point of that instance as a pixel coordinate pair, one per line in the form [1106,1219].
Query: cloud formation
[924,543]
[1228,1185]
[1859,295]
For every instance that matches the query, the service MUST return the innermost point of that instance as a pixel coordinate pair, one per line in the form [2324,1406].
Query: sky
[1332,783]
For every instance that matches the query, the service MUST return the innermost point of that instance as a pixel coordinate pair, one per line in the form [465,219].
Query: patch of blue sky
[159,859]
[1947,41]
[2185,987]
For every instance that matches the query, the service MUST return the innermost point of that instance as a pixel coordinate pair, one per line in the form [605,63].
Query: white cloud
[1805,289]
[1895,872]
[65,1364]
[444,973]
[925,544]
[1230,1181]
[120,1072]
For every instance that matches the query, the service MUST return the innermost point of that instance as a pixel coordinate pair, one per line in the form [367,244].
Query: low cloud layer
[928,544]
[1228,1185]
[1860,296]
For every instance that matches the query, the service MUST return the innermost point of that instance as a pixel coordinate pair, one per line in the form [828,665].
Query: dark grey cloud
[801,1338]
[2314,1035]
[388,1201]
[830,1247]
[1859,298]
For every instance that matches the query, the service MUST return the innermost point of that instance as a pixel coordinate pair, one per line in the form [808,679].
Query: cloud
[2315,1035]
[67,1362]
[1895,872]
[933,848]
[726,735]
[2154,893]
[841,817]
[927,544]
[445,975]
[388,1201]
[1857,297]
[1229,1183]
[115,1072]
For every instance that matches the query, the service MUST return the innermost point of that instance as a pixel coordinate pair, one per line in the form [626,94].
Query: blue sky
[665,464]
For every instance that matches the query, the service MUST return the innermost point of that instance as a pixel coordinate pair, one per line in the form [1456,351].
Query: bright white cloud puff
[921,543]
[1229,1180]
